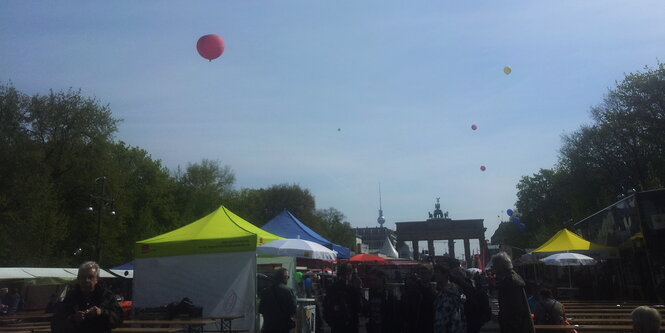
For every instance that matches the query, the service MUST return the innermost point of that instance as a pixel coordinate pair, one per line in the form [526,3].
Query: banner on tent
[198,246]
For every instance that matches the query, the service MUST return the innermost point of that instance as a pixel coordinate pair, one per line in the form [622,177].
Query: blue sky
[402,81]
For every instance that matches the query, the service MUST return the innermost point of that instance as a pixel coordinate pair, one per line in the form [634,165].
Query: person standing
[418,301]
[514,313]
[12,300]
[448,305]
[87,307]
[477,308]
[3,307]
[342,303]
[278,305]
[382,308]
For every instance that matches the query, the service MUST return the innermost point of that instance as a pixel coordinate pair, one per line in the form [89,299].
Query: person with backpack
[548,310]
[449,314]
[382,308]
[418,301]
[342,303]
[278,305]
[477,305]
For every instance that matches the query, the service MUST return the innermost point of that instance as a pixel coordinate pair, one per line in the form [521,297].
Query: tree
[202,188]
[261,205]
[50,144]
[336,229]
[623,149]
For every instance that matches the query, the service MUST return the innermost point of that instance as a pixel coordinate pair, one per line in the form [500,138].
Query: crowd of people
[442,297]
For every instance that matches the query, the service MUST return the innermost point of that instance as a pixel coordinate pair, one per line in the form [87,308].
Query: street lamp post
[100,201]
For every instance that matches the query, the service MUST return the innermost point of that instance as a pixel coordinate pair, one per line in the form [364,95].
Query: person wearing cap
[87,307]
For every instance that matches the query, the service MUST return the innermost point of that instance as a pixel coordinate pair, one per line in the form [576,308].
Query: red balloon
[474,127]
[210,46]
[482,168]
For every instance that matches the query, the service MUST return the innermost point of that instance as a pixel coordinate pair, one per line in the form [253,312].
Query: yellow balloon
[507,70]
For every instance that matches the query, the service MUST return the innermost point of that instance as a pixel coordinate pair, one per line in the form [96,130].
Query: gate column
[467,251]
[451,248]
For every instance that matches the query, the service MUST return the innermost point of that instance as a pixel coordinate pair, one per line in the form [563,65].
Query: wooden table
[193,325]
[225,322]
[23,328]
[131,330]
[147,329]
[26,316]
[584,328]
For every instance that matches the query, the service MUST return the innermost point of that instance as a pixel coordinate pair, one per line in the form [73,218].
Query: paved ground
[490,326]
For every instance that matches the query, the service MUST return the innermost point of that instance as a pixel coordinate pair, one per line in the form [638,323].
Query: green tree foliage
[202,188]
[622,149]
[336,228]
[261,205]
[47,149]
[59,156]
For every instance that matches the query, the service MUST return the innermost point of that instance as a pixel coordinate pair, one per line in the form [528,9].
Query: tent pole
[570,279]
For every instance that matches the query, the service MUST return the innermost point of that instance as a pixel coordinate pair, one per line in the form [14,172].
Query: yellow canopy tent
[219,231]
[565,240]
[211,261]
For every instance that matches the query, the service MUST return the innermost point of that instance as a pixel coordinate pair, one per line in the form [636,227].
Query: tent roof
[566,240]
[219,231]
[288,226]
[388,249]
[43,272]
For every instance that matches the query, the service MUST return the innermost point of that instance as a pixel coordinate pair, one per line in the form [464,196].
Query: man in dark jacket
[418,301]
[514,313]
[87,307]
[278,305]
[343,302]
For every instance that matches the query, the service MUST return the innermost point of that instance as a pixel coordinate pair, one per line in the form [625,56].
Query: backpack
[546,310]
[477,307]
[335,308]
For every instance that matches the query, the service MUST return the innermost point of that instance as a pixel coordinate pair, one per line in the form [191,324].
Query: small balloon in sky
[507,70]
[483,168]
[474,127]
[509,212]
[210,46]
[339,129]
[516,220]
[521,226]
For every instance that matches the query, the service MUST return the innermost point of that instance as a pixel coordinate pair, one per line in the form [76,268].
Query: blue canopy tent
[288,226]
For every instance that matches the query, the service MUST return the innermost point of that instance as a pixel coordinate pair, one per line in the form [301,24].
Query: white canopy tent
[9,273]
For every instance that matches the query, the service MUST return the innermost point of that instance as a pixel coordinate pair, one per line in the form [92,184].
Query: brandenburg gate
[439,227]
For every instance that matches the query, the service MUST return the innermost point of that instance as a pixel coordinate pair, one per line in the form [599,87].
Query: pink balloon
[482,168]
[474,127]
[210,46]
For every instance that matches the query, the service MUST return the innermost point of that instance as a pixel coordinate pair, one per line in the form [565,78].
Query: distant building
[439,226]
[375,238]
